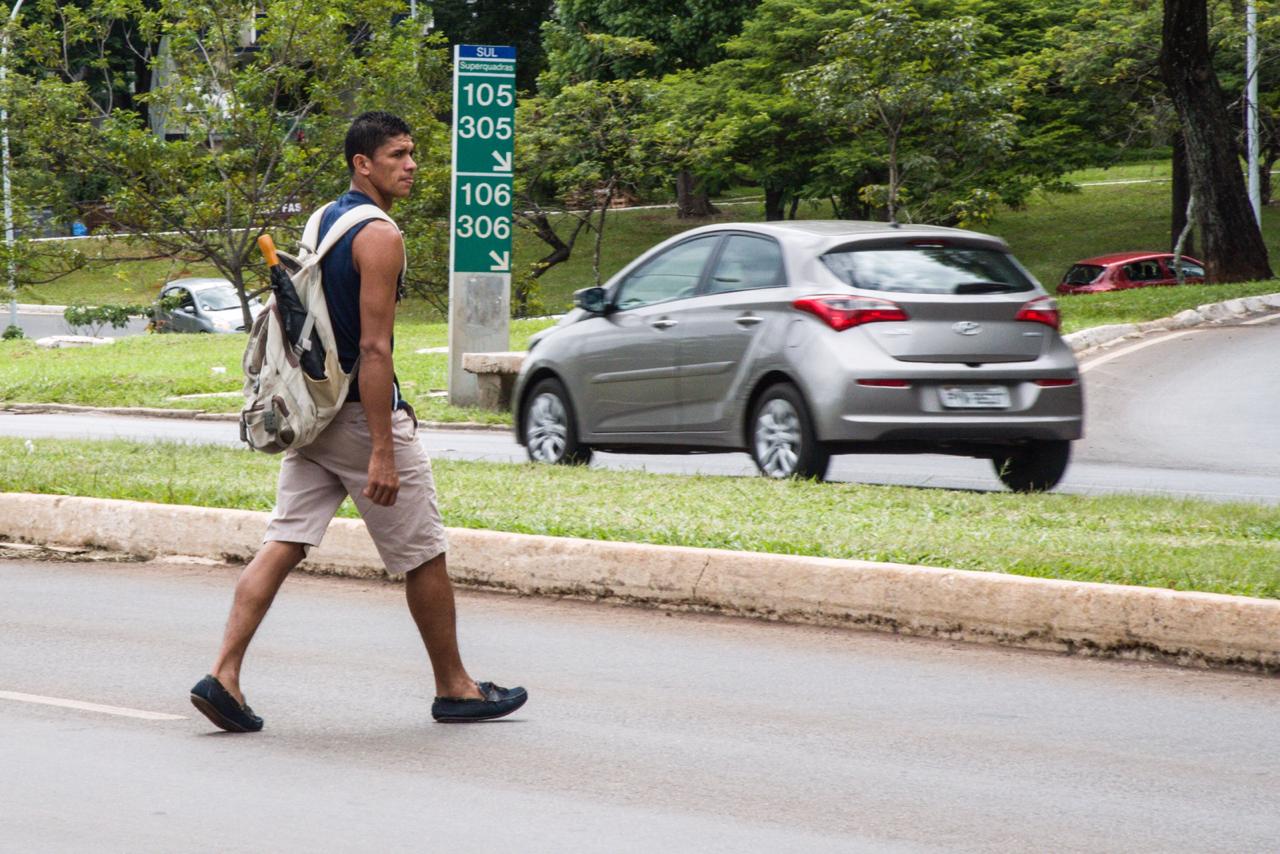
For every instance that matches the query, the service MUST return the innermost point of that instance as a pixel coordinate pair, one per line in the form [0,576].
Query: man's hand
[384,480]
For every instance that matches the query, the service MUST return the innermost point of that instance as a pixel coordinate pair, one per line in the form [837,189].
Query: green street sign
[484,106]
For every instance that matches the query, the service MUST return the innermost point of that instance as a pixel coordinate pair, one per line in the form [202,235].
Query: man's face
[391,168]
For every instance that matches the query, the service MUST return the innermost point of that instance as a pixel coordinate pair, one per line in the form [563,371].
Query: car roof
[198,283]
[833,232]
[1126,257]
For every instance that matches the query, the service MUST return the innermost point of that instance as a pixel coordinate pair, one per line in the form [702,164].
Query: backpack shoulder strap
[312,230]
[348,221]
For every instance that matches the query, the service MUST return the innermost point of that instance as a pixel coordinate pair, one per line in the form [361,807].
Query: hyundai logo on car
[966,327]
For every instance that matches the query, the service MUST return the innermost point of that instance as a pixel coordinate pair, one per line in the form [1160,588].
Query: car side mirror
[592,300]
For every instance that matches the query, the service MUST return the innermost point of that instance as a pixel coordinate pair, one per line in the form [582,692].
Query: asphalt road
[1186,414]
[644,732]
[39,325]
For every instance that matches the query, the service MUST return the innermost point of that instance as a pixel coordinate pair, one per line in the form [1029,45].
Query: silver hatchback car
[799,340]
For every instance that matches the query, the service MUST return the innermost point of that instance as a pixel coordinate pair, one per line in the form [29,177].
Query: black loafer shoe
[496,703]
[216,704]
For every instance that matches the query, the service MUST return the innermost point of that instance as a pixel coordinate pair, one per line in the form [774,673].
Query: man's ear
[360,164]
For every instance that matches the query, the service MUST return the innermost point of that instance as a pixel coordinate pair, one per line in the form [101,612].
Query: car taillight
[885,383]
[1041,310]
[1055,382]
[845,312]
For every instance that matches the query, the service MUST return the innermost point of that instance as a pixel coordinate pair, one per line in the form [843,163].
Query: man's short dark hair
[369,131]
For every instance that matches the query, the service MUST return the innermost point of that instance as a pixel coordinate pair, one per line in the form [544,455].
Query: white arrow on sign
[504,161]
[501,263]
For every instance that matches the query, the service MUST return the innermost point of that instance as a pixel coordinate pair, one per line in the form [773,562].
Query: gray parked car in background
[796,341]
[201,305]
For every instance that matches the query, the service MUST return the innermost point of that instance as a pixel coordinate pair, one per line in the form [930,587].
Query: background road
[39,323]
[1191,414]
[644,732]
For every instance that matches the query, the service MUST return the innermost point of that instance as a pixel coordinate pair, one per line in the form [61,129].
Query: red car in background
[1125,270]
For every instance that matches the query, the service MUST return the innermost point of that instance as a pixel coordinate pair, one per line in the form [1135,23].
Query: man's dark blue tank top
[342,290]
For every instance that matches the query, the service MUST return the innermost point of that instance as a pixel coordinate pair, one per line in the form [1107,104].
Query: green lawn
[104,280]
[1158,542]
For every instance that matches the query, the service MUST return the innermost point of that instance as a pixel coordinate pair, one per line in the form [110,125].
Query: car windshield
[1082,274]
[929,270]
[218,299]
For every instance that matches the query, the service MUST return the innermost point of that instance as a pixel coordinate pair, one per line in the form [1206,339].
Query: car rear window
[929,270]
[1082,274]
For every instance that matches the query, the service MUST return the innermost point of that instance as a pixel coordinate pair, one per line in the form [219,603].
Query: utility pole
[1251,108]
[8,199]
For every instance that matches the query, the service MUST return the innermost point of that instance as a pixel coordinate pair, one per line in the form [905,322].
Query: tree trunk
[1264,180]
[692,202]
[540,225]
[1181,195]
[774,199]
[1232,248]
[595,259]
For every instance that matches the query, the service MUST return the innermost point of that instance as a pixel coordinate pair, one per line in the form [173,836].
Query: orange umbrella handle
[268,247]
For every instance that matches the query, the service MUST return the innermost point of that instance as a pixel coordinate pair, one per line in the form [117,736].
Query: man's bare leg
[430,596]
[255,592]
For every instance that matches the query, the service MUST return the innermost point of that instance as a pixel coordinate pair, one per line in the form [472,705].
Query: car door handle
[663,323]
[747,320]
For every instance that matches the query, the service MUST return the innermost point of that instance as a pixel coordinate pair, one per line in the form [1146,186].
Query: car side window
[672,275]
[747,262]
[183,298]
[1142,271]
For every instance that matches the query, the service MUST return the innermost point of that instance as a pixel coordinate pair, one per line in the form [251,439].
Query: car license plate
[974,396]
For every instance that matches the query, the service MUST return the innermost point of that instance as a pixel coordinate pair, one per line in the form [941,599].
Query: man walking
[370,451]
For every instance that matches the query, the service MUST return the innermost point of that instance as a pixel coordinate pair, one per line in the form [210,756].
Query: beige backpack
[284,407]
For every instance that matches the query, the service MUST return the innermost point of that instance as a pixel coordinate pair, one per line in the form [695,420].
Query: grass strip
[1149,541]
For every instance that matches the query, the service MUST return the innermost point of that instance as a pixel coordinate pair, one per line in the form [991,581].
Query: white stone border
[1232,309]
[1132,622]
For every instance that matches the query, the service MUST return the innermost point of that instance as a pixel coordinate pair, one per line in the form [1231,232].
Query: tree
[759,123]
[582,147]
[624,40]
[255,100]
[915,95]
[503,22]
[1232,244]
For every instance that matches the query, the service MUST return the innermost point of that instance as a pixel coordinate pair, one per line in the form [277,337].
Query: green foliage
[12,333]
[95,317]
[241,128]
[922,108]
[625,39]
[503,22]
[583,148]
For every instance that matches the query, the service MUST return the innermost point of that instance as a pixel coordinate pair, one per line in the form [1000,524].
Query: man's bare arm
[377,252]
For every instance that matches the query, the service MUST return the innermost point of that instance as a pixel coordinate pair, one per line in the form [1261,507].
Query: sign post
[484,98]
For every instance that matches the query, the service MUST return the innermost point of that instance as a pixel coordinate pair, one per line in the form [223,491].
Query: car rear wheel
[1035,467]
[783,442]
[550,434]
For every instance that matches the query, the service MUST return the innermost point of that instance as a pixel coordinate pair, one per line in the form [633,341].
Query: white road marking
[1133,348]
[89,707]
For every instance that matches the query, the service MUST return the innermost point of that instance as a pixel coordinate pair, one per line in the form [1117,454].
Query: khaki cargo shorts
[314,480]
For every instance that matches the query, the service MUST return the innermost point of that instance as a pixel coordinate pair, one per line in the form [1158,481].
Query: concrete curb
[1133,622]
[1214,312]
